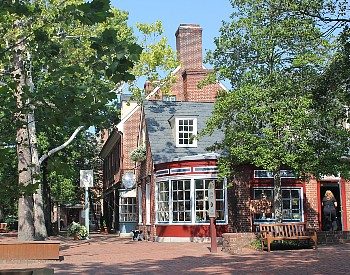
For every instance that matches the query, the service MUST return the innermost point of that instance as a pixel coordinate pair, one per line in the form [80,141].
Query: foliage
[256,244]
[75,229]
[8,182]
[139,154]
[273,56]
[76,53]
[156,63]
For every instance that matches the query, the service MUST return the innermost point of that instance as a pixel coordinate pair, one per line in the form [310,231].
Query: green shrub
[75,229]
[256,244]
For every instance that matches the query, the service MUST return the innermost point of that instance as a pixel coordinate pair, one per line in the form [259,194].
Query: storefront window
[189,201]
[163,201]
[181,191]
[201,200]
[127,209]
[262,204]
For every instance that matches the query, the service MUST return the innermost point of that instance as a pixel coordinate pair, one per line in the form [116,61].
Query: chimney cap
[187,26]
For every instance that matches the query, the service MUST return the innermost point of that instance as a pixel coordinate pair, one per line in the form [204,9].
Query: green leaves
[278,113]
[156,61]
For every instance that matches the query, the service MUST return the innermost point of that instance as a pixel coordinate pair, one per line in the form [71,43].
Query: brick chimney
[189,46]
[189,51]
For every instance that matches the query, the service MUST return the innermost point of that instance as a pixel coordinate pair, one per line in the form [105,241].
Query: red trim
[343,204]
[304,200]
[319,204]
[187,163]
[188,230]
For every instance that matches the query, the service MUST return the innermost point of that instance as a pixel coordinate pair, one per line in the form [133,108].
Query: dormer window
[169,98]
[186,131]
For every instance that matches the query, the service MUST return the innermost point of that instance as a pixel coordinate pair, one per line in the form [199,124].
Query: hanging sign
[86,178]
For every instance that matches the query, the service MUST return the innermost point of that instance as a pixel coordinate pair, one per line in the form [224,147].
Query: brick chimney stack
[189,46]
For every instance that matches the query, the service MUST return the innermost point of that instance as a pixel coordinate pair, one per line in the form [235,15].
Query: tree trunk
[25,205]
[46,198]
[39,218]
[25,202]
[277,196]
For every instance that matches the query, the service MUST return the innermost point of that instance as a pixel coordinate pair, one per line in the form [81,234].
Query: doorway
[334,187]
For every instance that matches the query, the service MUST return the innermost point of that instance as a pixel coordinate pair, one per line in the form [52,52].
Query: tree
[51,54]
[157,61]
[273,56]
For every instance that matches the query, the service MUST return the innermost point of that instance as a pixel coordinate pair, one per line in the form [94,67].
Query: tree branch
[51,152]
[326,19]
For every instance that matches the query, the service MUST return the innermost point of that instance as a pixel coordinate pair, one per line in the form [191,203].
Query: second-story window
[186,131]
[169,98]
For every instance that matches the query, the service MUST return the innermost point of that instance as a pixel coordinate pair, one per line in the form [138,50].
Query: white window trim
[205,169]
[162,172]
[180,170]
[139,198]
[270,174]
[148,204]
[193,212]
[194,144]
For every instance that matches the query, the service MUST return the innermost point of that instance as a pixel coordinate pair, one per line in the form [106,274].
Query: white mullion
[225,199]
[193,203]
[170,202]
[156,191]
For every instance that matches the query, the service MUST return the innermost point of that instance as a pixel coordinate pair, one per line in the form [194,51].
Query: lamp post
[86,181]
[212,216]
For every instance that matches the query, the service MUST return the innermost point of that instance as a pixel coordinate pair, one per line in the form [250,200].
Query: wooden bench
[285,231]
[3,227]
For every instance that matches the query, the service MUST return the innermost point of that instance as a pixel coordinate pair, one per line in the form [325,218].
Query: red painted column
[213,243]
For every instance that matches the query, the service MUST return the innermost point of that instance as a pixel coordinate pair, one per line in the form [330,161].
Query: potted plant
[77,231]
[139,154]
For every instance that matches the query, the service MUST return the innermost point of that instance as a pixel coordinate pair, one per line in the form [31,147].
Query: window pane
[285,194]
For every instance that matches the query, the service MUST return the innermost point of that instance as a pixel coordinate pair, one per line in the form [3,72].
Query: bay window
[186,201]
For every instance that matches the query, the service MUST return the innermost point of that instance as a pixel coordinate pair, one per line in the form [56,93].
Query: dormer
[184,129]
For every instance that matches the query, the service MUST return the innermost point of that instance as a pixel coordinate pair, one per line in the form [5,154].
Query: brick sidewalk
[108,254]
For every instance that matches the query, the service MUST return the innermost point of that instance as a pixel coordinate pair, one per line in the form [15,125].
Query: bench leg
[268,245]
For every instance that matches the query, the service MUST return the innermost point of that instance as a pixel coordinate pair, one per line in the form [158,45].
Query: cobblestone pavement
[108,254]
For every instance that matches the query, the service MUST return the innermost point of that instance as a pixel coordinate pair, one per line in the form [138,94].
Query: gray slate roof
[161,136]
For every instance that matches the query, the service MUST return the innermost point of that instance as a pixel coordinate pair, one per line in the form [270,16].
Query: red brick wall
[191,79]
[189,45]
[311,203]
[130,136]
[189,50]
[238,194]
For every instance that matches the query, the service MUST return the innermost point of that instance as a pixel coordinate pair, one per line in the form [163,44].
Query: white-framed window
[169,98]
[127,209]
[186,131]
[181,200]
[213,169]
[163,201]
[291,204]
[186,201]
[261,174]
[180,170]
[202,203]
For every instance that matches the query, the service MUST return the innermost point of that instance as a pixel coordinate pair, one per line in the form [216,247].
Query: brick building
[165,193]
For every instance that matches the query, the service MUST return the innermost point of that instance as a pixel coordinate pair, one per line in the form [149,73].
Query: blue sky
[207,13]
